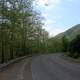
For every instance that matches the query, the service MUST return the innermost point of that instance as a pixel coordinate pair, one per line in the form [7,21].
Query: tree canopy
[21,31]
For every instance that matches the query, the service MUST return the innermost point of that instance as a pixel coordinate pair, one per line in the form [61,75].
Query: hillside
[70,33]
[55,43]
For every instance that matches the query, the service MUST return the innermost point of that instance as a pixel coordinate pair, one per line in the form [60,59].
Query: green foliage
[65,44]
[74,47]
[54,45]
[21,30]
[69,41]
[70,34]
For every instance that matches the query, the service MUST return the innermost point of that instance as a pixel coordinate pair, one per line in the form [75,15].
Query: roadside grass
[66,56]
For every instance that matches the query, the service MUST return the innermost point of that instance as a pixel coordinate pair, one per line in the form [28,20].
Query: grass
[66,56]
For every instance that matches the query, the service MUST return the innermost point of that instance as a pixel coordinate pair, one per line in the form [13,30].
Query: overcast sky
[60,15]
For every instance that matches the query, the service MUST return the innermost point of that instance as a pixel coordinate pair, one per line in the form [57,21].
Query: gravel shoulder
[71,59]
[17,71]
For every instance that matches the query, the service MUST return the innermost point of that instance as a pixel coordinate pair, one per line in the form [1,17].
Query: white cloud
[53,30]
[49,2]
[55,1]
[49,23]
[42,2]
[45,15]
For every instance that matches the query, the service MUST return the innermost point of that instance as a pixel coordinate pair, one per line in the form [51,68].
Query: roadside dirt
[17,71]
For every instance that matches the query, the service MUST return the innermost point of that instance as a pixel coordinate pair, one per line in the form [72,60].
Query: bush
[74,47]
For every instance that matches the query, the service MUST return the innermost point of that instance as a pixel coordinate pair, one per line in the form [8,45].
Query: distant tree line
[70,47]
[54,45]
[21,31]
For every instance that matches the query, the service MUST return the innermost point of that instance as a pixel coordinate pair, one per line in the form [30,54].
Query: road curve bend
[54,67]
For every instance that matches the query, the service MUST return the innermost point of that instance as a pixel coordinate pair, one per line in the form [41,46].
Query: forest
[67,42]
[21,31]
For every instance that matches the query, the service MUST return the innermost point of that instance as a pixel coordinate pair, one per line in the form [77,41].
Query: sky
[59,15]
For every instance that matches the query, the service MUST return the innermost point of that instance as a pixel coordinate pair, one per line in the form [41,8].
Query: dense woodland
[72,47]
[21,32]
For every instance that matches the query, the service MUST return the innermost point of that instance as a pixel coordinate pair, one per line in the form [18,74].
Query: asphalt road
[43,67]
[54,67]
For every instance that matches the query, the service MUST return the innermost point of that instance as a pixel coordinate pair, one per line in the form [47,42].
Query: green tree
[21,31]
[74,47]
[65,43]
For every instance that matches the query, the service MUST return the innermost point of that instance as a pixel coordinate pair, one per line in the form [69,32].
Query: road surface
[43,67]
[54,67]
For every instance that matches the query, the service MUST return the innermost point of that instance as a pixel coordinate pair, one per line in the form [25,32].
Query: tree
[65,43]
[74,47]
[21,31]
